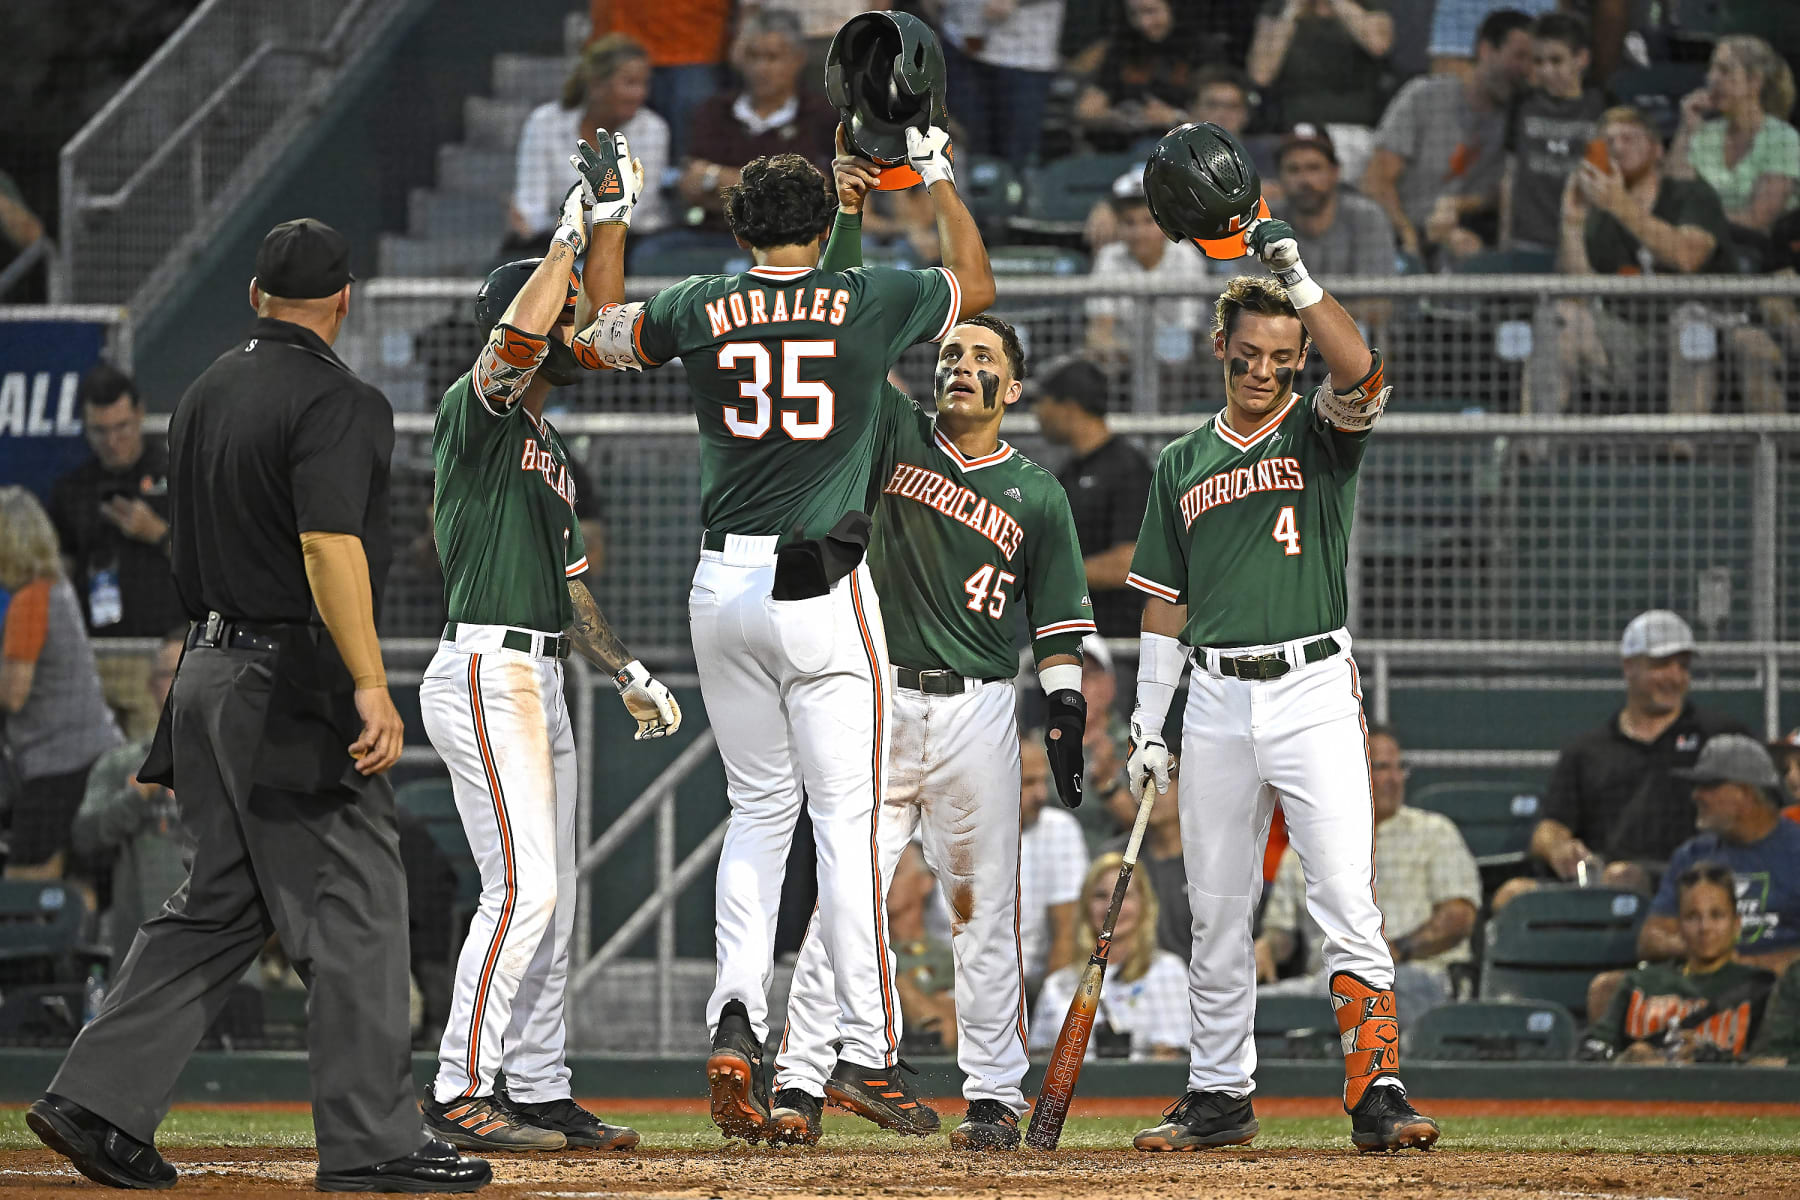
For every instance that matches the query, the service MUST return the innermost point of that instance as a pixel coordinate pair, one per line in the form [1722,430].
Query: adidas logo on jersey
[1015,493]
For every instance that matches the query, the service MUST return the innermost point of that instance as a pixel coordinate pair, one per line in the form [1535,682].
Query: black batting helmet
[1201,184]
[503,283]
[883,73]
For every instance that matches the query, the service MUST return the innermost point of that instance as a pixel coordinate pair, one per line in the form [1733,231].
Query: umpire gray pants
[323,872]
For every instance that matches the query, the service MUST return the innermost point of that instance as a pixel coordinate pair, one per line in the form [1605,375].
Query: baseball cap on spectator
[1129,186]
[1306,135]
[1733,758]
[303,260]
[1095,650]
[1656,634]
[1077,381]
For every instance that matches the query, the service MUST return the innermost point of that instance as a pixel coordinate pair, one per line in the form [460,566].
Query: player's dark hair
[782,200]
[1254,294]
[1498,25]
[1009,341]
[1077,381]
[104,385]
[1562,27]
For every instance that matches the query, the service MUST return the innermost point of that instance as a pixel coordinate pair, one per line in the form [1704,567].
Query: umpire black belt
[936,683]
[218,632]
[538,645]
[1275,664]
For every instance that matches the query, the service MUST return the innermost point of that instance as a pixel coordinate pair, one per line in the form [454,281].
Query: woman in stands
[57,721]
[1705,1008]
[1145,997]
[1735,135]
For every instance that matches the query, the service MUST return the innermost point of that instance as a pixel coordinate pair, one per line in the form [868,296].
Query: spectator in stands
[1106,744]
[924,972]
[1627,218]
[1143,252]
[137,825]
[1615,811]
[686,43]
[605,90]
[1160,862]
[57,722]
[1548,133]
[1454,24]
[1440,148]
[1786,754]
[771,114]
[1001,57]
[1778,1042]
[1706,1009]
[1737,798]
[1146,81]
[1320,60]
[1429,892]
[1346,234]
[1108,482]
[1735,136]
[1145,999]
[111,516]
[1052,856]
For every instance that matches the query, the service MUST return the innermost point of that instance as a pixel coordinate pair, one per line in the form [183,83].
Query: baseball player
[785,363]
[492,697]
[1241,556]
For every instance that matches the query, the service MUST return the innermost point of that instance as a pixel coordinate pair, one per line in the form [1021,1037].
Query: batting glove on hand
[1149,758]
[1062,743]
[648,700]
[1276,244]
[928,153]
[614,177]
[572,225]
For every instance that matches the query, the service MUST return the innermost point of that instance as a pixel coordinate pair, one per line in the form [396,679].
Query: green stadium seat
[433,802]
[42,932]
[1492,1030]
[1550,942]
[429,800]
[1059,196]
[1296,1027]
[1494,817]
[993,190]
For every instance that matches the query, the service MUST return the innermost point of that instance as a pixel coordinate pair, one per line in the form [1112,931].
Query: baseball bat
[1052,1107]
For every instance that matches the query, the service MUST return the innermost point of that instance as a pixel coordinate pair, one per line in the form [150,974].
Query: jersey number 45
[980,599]
[754,421]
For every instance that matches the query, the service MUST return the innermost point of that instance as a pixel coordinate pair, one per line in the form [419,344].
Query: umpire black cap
[303,259]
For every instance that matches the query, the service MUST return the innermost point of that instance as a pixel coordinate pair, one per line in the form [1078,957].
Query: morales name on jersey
[755,307]
[958,502]
[1268,475]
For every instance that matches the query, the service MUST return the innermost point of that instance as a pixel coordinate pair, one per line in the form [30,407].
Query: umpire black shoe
[989,1125]
[1199,1120]
[881,1094]
[433,1167]
[1384,1119]
[797,1118]
[579,1127]
[734,1075]
[487,1124]
[98,1148]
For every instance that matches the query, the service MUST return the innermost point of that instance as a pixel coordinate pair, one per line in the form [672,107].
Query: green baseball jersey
[1660,996]
[504,514]
[786,366]
[959,542]
[1252,533]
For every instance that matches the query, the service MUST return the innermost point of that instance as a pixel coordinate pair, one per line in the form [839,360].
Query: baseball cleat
[1384,1119]
[734,1074]
[989,1125]
[579,1127]
[484,1123]
[98,1148]
[882,1096]
[796,1118]
[1200,1120]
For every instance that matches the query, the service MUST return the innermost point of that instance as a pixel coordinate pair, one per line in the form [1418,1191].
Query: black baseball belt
[1275,663]
[936,682]
[538,645]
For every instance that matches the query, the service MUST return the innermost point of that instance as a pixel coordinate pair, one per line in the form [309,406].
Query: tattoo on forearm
[590,633]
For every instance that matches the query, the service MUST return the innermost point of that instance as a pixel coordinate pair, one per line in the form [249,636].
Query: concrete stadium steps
[480,170]
[439,213]
[490,124]
[456,256]
[533,78]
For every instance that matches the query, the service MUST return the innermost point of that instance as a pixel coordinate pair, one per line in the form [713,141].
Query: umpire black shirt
[1108,489]
[277,437]
[148,604]
[1617,795]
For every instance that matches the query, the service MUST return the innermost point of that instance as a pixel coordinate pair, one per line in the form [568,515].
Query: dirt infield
[928,1170]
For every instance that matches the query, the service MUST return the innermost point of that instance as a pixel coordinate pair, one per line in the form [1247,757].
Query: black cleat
[796,1117]
[989,1125]
[579,1127]
[1199,1120]
[487,1124]
[881,1095]
[433,1167]
[734,1074]
[1384,1119]
[98,1148]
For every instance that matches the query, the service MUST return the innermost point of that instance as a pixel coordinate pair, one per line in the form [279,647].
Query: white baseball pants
[498,719]
[954,771]
[798,694]
[1301,739]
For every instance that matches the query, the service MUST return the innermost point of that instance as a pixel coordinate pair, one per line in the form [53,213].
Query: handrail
[638,923]
[644,807]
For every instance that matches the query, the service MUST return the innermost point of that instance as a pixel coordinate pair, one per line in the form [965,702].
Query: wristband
[1161,660]
[1059,677]
[1301,290]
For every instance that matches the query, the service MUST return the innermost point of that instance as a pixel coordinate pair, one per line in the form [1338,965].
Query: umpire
[275,738]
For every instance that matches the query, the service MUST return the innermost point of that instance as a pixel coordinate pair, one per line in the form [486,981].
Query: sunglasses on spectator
[1705,872]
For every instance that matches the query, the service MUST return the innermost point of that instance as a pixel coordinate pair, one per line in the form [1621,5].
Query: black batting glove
[1062,743]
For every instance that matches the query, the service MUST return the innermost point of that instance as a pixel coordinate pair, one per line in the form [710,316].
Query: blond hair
[600,60]
[1254,294]
[1755,55]
[1141,950]
[28,548]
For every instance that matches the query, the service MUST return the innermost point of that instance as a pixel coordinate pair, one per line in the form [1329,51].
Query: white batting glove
[572,224]
[615,178]
[928,153]
[1149,758]
[1276,244]
[648,701]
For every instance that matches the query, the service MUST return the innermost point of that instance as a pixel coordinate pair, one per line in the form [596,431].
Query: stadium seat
[1550,942]
[1492,1030]
[1296,1027]
[428,799]
[1059,196]
[433,802]
[42,932]
[994,192]
[1494,817]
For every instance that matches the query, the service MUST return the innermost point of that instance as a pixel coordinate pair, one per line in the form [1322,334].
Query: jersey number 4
[980,599]
[753,420]
[1286,532]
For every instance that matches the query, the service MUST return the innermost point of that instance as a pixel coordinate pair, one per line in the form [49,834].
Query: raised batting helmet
[1202,187]
[497,292]
[885,72]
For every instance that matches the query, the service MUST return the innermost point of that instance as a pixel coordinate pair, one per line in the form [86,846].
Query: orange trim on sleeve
[28,622]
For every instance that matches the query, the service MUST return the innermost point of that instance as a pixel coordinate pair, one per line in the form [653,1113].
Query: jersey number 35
[753,421]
